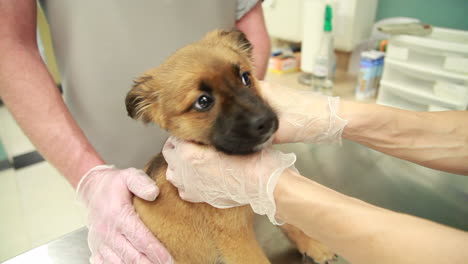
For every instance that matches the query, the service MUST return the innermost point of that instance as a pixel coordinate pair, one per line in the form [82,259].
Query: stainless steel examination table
[351,169]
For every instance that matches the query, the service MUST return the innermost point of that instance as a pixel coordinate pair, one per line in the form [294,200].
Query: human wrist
[87,164]
[360,118]
[368,123]
[284,193]
[89,180]
[86,177]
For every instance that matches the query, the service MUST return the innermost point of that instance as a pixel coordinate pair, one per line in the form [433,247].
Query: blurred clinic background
[411,54]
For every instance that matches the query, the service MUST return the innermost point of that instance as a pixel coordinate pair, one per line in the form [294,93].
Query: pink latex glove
[203,174]
[304,116]
[116,233]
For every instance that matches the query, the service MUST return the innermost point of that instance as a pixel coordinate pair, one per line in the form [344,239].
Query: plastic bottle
[371,67]
[380,64]
[366,76]
[324,68]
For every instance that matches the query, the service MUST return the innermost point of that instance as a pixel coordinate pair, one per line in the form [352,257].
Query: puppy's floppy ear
[240,42]
[140,98]
[234,39]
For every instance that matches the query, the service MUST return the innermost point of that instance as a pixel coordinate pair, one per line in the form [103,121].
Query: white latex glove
[116,233]
[203,174]
[304,116]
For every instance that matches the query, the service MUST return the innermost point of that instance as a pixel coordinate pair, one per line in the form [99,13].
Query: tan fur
[196,233]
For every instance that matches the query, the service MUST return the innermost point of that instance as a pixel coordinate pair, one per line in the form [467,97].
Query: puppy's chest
[196,214]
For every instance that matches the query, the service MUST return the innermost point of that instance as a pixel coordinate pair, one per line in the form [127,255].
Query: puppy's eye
[245,76]
[204,103]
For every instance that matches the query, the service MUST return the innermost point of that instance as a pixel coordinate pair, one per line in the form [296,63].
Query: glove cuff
[325,129]
[337,124]
[79,197]
[287,162]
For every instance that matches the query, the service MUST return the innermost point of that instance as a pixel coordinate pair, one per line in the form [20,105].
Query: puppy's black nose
[261,125]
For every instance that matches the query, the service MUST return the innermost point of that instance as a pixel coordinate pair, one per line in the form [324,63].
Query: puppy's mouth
[236,147]
[244,145]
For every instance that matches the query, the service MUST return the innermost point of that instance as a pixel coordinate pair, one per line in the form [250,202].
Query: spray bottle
[324,68]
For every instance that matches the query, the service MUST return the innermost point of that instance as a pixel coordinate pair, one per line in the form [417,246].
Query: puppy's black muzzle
[245,124]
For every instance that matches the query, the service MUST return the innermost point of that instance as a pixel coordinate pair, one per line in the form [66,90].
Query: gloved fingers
[138,237]
[223,203]
[123,250]
[140,184]
[174,178]
[190,198]
[176,150]
[107,255]
[96,259]
[169,152]
[171,142]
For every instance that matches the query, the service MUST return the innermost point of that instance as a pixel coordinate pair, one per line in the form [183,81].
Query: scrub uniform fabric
[101,46]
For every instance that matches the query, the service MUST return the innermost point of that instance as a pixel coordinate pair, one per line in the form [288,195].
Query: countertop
[343,86]
[69,249]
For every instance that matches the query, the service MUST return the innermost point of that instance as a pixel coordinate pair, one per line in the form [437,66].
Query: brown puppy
[205,92]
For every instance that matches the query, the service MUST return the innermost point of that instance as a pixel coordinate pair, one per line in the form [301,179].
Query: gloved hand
[203,174]
[304,116]
[116,233]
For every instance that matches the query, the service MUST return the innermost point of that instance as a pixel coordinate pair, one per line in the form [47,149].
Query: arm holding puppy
[360,232]
[438,140]
[368,234]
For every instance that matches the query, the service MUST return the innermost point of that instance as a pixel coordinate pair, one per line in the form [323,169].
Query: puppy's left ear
[239,41]
[234,39]
[141,99]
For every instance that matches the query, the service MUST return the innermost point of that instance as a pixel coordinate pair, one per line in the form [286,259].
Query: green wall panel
[440,13]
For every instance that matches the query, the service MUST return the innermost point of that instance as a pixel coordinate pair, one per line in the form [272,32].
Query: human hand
[203,174]
[304,116]
[116,233]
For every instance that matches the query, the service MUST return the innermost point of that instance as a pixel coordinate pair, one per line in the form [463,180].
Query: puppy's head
[206,92]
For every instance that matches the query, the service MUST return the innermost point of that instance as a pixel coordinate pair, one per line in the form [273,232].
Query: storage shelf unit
[426,73]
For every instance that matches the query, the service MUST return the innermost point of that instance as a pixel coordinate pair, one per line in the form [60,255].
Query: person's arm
[358,231]
[32,97]
[253,26]
[363,233]
[437,140]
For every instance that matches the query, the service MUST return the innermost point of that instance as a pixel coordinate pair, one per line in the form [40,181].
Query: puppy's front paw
[318,254]
[312,250]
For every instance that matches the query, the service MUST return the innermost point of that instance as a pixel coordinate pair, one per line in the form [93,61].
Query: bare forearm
[437,140]
[30,94]
[253,26]
[363,233]
[32,97]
